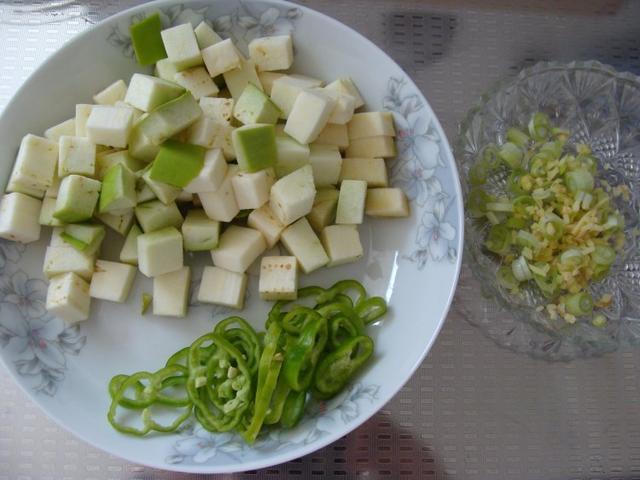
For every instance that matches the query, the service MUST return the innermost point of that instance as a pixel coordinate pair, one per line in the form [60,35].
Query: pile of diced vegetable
[214,152]
[557,228]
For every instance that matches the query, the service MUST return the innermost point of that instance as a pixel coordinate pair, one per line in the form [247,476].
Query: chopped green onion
[505,278]
[579,304]
[518,137]
[603,255]
[520,269]
[478,173]
[539,127]
[499,239]
[489,156]
[552,226]
[511,154]
[477,202]
[502,206]
[146,302]
[527,239]
[599,321]
[571,258]
[579,180]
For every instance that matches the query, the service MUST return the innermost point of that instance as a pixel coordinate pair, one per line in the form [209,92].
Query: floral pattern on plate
[37,342]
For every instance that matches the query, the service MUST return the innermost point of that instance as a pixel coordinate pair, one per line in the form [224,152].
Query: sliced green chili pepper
[301,359]
[294,321]
[371,309]
[268,372]
[293,409]
[338,367]
[178,358]
[278,399]
[243,337]
[344,286]
[221,388]
[340,329]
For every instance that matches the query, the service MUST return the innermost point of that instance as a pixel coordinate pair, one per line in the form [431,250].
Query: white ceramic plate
[413,262]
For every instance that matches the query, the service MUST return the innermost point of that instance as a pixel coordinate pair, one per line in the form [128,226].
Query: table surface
[472,410]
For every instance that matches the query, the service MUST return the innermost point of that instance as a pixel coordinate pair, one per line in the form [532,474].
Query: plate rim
[331,437]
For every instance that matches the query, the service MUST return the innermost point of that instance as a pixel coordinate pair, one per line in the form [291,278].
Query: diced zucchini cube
[160,252]
[52,191]
[333,134]
[146,92]
[68,298]
[35,166]
[238,79]
[343,109]
[77,199]
[292,155]
[222,287]
[309,115]
[252,189]
[144,192]
[56,238]
[263,220]
[211,175]
[386,202]
[238,248]
[177,163]
[112,281]
[146,40]
[155,215]
[111,94]
[255,146]
[118,190]
[169,119]
[204,132]
[292,196]
[205,35]
[109,125]
[371,170]
[181,46]
[342,244]
[65,258]
[221,205]
[267,79]
[199,232]
[119,223]
[140,145]
[171,293]
[220,109]
[302,242]
[272,53]
[19,217]
[83,110]
[129,252]
[326,163]
[221,57]
[323,212]
[254,106]
[68,127]
[166,70]
[286,89]
[104,161]
[46,213]
[197,81]
[278,278]
[380,146]
[353,194]
[345,86]
[84,237]
[163,191]
[77,155]
[371,124]
[185,197]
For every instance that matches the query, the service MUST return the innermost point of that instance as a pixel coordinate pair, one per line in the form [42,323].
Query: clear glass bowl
[600,107]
